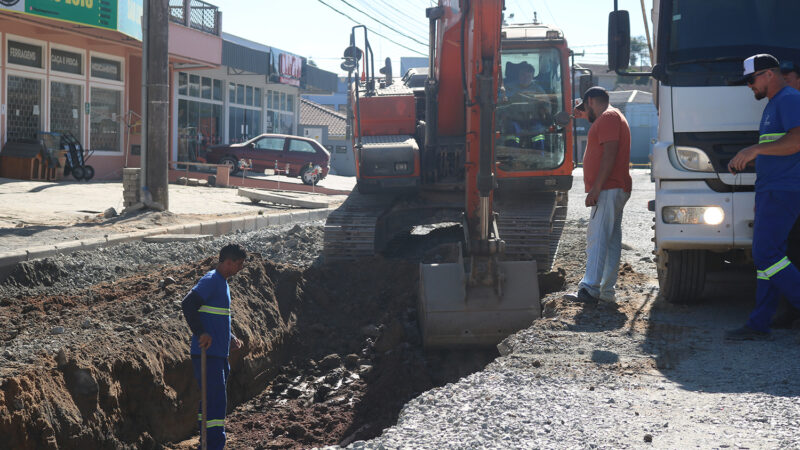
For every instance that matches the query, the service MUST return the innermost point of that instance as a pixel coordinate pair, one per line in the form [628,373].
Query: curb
[8,260]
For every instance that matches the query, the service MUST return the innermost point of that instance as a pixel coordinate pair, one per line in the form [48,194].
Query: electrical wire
[385,25]
[372,31]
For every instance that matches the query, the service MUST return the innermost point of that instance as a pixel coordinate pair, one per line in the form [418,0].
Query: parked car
[293,156]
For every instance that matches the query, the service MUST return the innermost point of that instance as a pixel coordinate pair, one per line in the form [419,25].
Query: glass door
[65,108]
[104,119]
[24,107]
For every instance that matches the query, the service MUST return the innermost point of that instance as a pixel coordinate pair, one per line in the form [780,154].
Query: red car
[291,155]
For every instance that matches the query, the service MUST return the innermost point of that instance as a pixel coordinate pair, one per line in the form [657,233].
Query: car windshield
[529,98]
[707,40]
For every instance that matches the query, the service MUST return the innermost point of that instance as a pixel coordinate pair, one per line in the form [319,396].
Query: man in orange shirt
[608,187]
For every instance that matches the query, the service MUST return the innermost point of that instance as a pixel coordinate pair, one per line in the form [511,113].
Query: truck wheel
[681,275]
[232,164]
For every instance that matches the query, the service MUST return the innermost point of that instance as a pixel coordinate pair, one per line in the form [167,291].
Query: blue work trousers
[217,370]
[776,213]
[604,244]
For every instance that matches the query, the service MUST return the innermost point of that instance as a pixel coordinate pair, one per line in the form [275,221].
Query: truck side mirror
[619,40]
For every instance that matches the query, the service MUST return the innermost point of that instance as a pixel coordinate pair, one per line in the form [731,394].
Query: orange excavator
[484,145]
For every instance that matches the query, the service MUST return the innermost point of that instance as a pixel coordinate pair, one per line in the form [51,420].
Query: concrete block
[175,229]
[301,216]
[283,218]
[91,244]
[68,247]
[250,223]
[119,238]
[163,238]
[224,227]
[208,228]
[237,224]
[39,252]
[139,235]
[191,228]
[262,222]
[9,259]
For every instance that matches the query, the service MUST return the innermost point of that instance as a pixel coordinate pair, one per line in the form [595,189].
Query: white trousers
[604,244]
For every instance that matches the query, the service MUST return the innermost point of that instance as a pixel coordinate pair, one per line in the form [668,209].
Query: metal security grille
[104,119]
[203,16]
[65,108]
[177,11]
[24,107]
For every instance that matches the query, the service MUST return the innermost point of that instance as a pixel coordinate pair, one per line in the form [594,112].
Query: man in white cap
[777,159]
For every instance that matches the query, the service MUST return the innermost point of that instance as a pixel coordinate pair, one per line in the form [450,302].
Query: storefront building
[61,71]
[255,91]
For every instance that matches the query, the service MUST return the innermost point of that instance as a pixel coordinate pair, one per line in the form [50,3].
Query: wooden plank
[283,198]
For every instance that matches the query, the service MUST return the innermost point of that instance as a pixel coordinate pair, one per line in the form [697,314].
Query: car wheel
[310,174]
[233,165]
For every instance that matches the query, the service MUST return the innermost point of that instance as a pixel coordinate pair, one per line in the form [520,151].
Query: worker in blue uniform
[777,159]
[207,309]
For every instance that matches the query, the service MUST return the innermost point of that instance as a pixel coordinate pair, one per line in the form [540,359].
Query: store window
[280,112]
[66,62]
[106,69]
[106,106]
[65,108]
[24,107]
[200,116]
[23,54]
[244,113]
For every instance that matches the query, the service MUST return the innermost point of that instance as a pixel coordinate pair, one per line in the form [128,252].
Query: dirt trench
[330,354]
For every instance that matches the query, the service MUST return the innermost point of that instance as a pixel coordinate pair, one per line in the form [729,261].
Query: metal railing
[196,14]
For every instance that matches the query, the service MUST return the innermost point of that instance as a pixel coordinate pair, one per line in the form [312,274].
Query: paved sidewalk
[35,214]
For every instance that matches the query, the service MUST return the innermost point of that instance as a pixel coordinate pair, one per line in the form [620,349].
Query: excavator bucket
[453,314]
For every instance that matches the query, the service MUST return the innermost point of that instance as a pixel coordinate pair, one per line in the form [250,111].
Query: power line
[406,23]
[387,26]
[387,38]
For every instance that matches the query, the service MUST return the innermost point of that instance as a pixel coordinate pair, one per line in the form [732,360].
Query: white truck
[703,213]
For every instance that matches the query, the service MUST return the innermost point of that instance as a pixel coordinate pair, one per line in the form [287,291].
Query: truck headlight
[708,215]
[693,159]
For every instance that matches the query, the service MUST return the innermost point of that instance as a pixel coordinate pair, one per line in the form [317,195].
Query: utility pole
[155,193]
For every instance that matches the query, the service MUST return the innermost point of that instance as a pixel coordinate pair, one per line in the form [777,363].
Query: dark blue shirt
[214,313]
[779,173]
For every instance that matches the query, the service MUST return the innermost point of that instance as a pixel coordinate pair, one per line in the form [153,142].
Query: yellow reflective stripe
[539,137]
[769,137]
[213,310]
[777,267]
[215,423]
[762,275]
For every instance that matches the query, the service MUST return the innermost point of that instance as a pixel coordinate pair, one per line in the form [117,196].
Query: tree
[639,50]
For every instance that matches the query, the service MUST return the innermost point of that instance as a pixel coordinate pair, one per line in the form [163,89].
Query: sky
[313,30]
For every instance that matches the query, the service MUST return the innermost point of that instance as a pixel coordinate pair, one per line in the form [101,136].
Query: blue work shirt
[779,173]
[215,314]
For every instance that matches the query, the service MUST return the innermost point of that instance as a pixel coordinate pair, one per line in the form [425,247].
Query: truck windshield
[531,94]
[707,40]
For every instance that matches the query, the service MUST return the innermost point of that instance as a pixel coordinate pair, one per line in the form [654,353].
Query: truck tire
[681,275]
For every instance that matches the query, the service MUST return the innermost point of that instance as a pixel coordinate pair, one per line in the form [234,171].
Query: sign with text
[124,16]
[64,61]
[106,68]
[97,13]
[24,54]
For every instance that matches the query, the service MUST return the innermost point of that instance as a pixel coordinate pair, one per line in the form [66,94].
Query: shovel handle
[203,403]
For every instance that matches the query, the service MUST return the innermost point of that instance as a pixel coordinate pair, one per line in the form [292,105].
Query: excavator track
[532,228]
[350,230]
